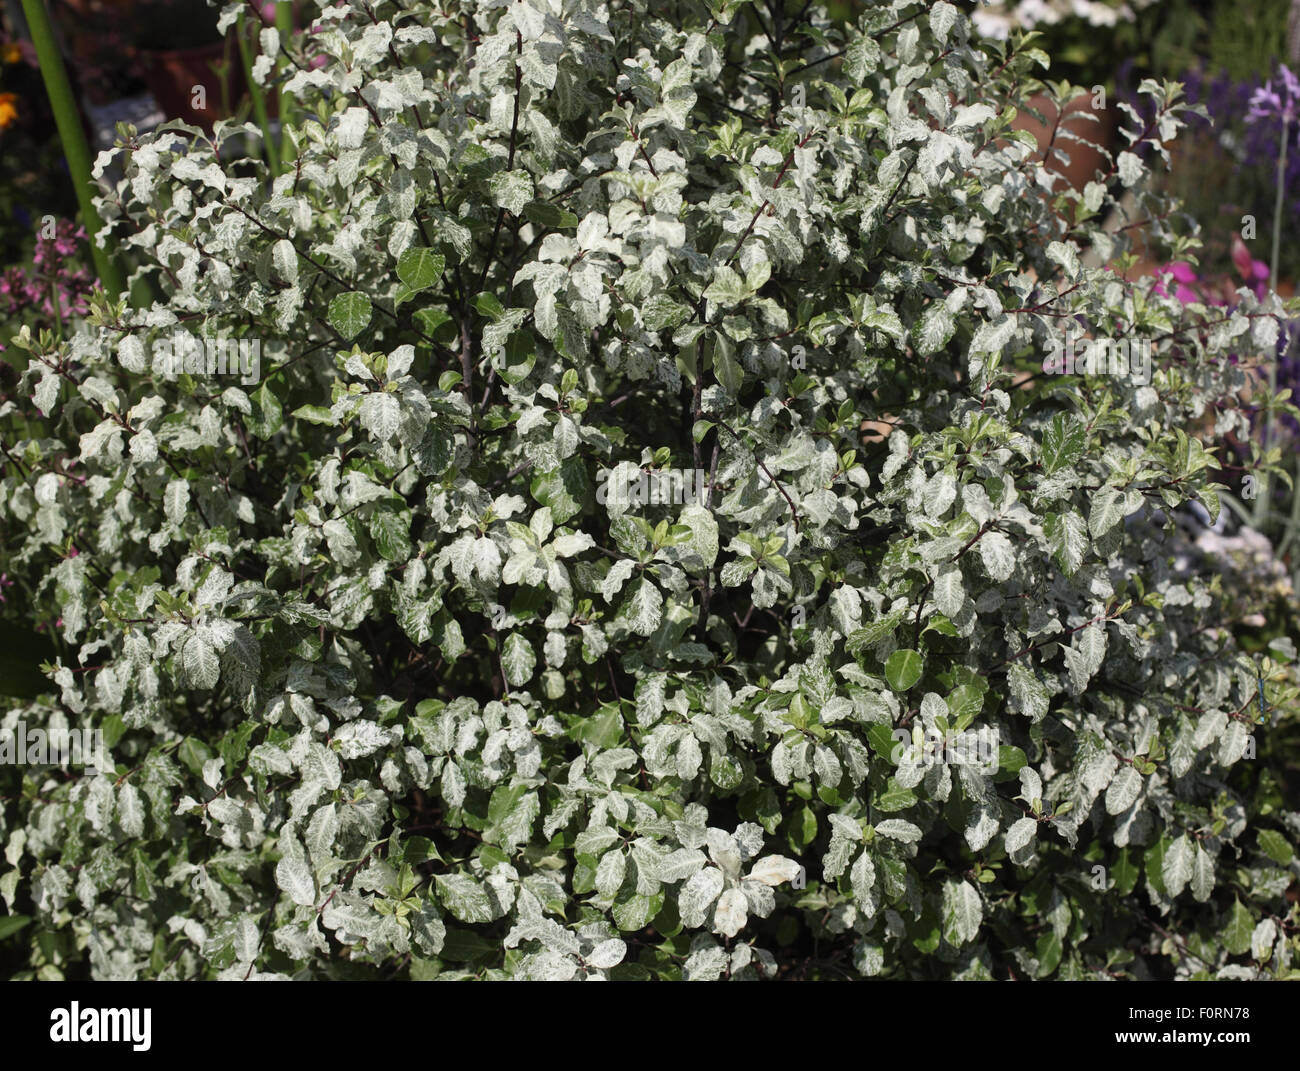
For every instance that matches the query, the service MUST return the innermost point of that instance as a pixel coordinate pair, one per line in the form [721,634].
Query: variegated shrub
[389,690]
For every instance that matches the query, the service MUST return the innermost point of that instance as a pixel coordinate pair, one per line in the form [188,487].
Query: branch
[768,473]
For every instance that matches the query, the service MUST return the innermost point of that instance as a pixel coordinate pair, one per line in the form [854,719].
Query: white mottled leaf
[732,911]
[1176,870]
[962,912]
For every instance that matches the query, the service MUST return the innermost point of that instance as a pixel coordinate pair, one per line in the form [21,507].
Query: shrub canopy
[400,670]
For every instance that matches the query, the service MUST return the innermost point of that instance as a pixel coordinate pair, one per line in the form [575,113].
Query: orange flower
[10,53]
[8,109]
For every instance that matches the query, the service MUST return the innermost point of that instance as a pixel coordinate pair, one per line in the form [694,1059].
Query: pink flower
[1254,272]
[52,275]
[1183,276]
[65,243]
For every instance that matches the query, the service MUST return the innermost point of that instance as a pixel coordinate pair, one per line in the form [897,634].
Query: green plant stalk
[58,306]
[1293,524]
[222,71]
[75,150]
[258,98]
[1262,502]
[284,23]
[1277,204]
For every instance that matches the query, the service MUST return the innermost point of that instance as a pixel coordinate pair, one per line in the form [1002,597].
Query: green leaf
[1048,952]
[903,669]
[430,320]
[516,361]
[604,729]
[1153,864]
[1010,760]
[881,738]
[489,306]
[660,312]
[1238,930]
[1275,846]
[314,414]
[11,924]
[465,946]
[564,489]
[1125,872]
[1064,441]
[636,911]
[725,365]
[390,529]
[420,267]
[964,705]
[895,798]
[267,416]
[549,215]
[869,635]
[349,314]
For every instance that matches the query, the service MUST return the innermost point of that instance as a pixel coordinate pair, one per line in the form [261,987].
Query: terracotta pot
[1085,160]
[174,77]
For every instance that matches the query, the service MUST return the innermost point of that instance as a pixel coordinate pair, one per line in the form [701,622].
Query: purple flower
[1280,102]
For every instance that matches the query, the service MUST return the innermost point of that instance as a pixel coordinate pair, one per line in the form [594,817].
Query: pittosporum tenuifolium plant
[400,670]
